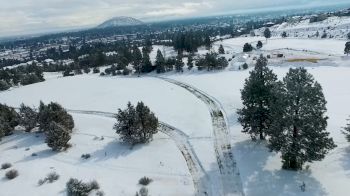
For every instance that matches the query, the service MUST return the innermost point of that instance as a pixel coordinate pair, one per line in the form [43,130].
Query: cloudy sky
[34,16]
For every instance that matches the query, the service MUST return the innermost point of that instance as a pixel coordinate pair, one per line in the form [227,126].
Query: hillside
[120,21]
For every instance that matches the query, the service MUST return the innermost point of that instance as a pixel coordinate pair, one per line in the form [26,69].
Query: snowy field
[118,168]
[261,170]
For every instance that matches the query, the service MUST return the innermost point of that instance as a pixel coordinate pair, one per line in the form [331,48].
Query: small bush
[52,177]
[11,174]
[245,66]
[85,156]
[143,191]
[6,165]
[145,181]
[76,187]
[100,193]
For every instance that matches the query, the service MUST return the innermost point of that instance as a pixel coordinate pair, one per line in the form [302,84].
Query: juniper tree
[28,117]
[221,49]
[284,34]
[299,121]
[347,48]
[136,125]
[247,47]
[259,45]
[257,96]
[54,112]
[267,33]
[160,62]
[222,63]
[4,85]
[347,131]
[9,120]
[57,136]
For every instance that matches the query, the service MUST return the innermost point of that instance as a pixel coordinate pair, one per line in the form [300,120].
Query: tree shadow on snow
[24,140]
[114,149]
[252,158]
[39,155]
[345,160]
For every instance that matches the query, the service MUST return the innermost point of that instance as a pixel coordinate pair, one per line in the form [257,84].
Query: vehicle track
[229,172]
[201,180]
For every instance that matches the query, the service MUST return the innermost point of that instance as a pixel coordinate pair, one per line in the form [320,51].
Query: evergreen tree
[347,48]
[146,62]
[284,34]
[137,59]
[9,120]
[267,33]
[300,121]
[247,47]
[190,61]
[222,63]
[259,45]
[207,42]
[348,36]
[57,136]
[179,63]
[136,125]
[54,112]
[28,117]
[3,85]
[347,131]
[221,49]
[160,62]
[257,96]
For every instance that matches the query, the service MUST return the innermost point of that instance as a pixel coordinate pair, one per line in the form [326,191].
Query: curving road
[229,172]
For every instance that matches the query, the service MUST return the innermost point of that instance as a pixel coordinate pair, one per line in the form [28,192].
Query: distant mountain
[120,21]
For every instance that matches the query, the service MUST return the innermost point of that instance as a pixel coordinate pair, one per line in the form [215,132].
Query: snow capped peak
[120,21]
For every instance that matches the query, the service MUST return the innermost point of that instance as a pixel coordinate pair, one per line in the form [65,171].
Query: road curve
[229,172]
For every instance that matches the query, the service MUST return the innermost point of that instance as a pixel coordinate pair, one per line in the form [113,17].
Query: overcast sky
[33,16]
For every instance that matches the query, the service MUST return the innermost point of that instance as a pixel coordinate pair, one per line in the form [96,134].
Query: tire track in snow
[199,177]
[229,172]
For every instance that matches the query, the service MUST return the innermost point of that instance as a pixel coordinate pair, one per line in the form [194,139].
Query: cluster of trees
[136,124]
[23,75]
[190,41]
[51,119]
[211,61]
[291,114]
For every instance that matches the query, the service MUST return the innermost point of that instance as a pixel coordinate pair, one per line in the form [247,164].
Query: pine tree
[347,48]
[190,61]
[160,62]
[137,59]
[267,33]
[259,45]
[146,62]
[4,85]
[179,63]
[28,117]
[221,49]
[57,136]
[257,96]
[300,121]
[347,131]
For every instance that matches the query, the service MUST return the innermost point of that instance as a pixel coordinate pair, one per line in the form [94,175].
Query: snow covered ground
[261,170]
